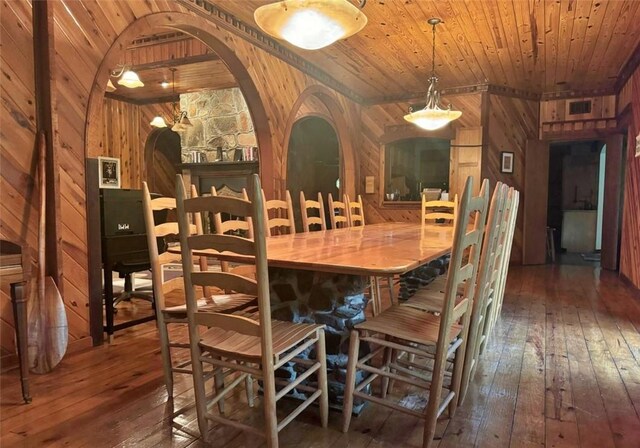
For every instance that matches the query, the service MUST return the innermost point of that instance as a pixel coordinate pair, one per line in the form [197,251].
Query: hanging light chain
[433,51]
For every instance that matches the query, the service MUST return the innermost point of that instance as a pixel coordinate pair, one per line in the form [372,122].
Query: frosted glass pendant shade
[158,122]
[432,119]
[130,79]
[310,24]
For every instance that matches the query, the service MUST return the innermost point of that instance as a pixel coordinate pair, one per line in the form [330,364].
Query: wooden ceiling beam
[174,62]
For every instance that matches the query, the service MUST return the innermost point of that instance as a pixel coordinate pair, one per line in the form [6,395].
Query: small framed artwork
[638,145]
[108,172]
[506,164]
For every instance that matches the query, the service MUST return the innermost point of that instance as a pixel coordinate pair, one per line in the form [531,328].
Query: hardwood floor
[562,370]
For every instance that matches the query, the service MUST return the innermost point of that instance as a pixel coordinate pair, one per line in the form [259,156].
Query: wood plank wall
[630,242]
[376,122]
[555,118]
[19,204]
[508,126]
[89,29]
[125,131]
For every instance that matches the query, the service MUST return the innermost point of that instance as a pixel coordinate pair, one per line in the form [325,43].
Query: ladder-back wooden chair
[338,213]
[355,211]
[278,225]
[431,299]
[250,344]
[172,285]
[433,210]
[502,268]
[415,331]
[305,206]
[236,226]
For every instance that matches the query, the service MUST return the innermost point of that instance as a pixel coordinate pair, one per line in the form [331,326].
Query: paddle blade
[48,330]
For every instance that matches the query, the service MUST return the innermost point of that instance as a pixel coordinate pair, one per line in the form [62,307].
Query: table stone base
[336,300]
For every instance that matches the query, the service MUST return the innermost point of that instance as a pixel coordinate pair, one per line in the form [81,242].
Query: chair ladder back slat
[278,224]
[355,211]
[222,243]
[229,322]
[439,209]
[221,204]
[226,281]
[308,221]
[341,219]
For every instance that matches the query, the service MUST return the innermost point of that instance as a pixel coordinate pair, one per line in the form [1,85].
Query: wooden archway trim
[202,30]
[337,119]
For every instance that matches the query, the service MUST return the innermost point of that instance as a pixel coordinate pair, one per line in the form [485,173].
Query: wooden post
[612,208]
[45,102]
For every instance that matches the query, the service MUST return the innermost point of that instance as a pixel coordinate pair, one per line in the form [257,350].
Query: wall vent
[580,107]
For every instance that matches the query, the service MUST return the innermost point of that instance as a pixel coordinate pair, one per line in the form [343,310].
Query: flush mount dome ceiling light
[311,24]
[433,116]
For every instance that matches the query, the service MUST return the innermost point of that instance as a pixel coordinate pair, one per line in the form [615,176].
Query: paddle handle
[42,222]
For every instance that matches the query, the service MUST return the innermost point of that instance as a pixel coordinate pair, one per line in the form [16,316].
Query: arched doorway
[313,160]
[162,157]
[198,28]
[319,101]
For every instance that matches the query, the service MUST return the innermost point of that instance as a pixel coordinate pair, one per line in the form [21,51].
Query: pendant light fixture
[433,116]
[127,78]
[311,24]
[180,120]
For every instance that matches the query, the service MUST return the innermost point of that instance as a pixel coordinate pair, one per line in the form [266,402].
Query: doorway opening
[576,202]
[313,161]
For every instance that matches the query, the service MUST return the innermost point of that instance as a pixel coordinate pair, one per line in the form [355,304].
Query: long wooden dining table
[372,250]
[323,276]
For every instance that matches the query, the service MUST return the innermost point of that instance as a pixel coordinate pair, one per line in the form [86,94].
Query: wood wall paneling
[509,124]
[534,207]
[630,238]
[382,123]
[18,212]
[612,207]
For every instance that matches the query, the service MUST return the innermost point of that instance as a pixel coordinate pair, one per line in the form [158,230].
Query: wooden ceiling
[539,46]
[153,57]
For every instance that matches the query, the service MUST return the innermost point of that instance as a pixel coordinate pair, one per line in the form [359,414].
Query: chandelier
[311,24]
[180,120]
[433,116]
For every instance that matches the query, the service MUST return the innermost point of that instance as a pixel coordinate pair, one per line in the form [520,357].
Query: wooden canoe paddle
[48,331]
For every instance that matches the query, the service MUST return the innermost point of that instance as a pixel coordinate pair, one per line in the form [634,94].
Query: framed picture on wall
[108,172]
[506,162]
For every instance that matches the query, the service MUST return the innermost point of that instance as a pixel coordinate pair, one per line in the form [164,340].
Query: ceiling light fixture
[311,24]
[180,120]
[164,84]
[433,116]
[128,78]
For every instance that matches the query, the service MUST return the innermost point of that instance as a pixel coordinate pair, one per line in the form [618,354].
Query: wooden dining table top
[374,249]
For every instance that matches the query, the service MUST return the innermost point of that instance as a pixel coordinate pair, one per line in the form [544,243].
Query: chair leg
[248,385]
[388,357]
[200,394]
[347,406]
[218,377]
[435,393]
[165,353]
[321,356]
[270,417]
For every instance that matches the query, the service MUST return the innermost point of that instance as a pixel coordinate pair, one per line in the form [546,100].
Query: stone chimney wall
[220,118]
